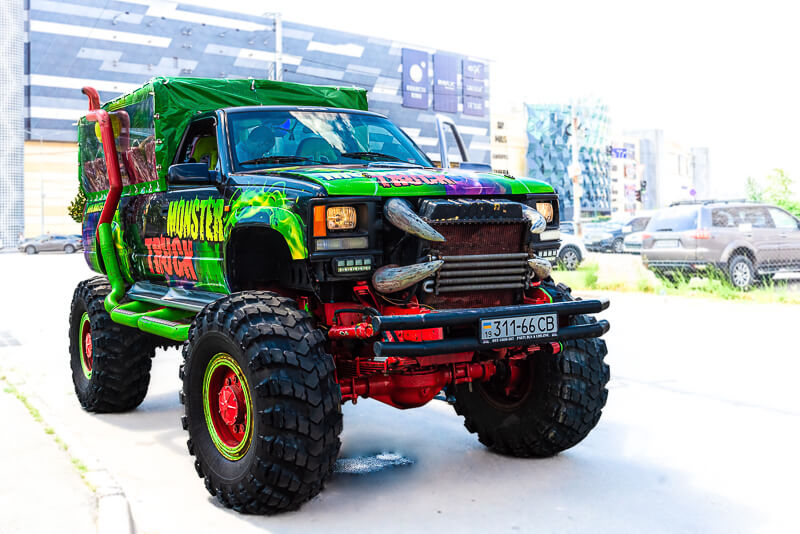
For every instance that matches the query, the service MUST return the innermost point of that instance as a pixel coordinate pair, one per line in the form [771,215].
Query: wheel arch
[255,255]
[738,249]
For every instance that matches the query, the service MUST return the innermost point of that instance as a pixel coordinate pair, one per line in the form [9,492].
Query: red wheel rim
[226,404]
[85,340]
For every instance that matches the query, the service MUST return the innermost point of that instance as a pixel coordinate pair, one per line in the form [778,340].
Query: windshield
[266,139]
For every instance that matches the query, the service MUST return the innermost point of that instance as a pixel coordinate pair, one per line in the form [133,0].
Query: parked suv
[746,241]
[609,237]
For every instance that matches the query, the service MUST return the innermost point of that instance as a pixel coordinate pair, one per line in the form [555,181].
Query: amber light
[319,221]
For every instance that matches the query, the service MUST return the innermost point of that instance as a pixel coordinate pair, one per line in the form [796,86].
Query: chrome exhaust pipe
[400,214]
[390,279]
[538,223]
[540,267]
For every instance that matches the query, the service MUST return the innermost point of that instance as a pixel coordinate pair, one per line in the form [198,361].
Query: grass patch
[79,466]
[713,284]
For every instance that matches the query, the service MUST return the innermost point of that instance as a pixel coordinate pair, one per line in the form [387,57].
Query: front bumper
[599,246]
[466,322]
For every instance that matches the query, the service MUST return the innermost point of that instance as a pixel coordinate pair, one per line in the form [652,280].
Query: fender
[272,208]
[733,245]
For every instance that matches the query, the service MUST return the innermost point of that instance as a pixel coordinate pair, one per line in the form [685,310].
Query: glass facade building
[12,82]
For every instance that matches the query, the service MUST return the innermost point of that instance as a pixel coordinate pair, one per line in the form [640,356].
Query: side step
[172,297]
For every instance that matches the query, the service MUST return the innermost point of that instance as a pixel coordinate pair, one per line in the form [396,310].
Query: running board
[172,297]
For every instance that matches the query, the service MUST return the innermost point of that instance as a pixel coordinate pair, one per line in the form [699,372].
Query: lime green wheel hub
[85,343]
[227,406]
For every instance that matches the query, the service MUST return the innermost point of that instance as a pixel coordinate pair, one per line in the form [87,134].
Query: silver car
[746,241]
[47,243]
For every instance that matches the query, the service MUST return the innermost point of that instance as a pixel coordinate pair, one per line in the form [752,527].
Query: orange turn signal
[319,221]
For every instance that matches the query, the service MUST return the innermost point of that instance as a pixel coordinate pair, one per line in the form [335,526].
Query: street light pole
[575,174]
[277,27]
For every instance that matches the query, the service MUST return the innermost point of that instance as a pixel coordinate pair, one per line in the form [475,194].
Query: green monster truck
[305,252]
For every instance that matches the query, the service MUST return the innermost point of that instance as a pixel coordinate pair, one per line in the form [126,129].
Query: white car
[571,252]
[633,243]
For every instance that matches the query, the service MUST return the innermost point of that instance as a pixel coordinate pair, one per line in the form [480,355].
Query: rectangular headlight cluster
[352,265]
[547,253]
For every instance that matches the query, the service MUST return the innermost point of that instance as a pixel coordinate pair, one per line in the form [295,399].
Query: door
[756,226]
[183,235]
[785,243]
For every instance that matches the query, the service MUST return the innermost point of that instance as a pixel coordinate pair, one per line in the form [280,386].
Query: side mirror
[191,174]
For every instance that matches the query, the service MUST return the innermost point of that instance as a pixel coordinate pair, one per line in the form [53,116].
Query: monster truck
[305,253]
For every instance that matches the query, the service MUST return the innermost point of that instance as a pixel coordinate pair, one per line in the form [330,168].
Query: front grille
[484,265]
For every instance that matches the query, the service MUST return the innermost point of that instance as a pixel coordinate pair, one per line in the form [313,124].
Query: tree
[777,190]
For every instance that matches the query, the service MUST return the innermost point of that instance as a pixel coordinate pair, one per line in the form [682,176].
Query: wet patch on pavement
[362,465]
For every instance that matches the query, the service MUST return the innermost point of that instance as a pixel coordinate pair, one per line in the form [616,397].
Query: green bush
[77,206]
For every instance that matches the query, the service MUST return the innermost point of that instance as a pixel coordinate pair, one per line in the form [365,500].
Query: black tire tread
[299,401]
[122,356]
[569,406]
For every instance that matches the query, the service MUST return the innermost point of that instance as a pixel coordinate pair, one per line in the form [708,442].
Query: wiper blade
[274,159]
[370,155]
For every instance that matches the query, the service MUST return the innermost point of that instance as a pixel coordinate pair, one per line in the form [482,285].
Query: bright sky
[716,74]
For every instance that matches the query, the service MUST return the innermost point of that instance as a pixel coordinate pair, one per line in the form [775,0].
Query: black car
[610,236]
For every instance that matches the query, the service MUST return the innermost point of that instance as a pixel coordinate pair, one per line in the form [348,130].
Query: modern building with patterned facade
[12,38]
[116,45]
[549,153]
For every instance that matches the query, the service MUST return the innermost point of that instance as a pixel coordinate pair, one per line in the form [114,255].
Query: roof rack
[710,201]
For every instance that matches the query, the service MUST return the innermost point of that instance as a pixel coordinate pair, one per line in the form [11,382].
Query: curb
[113,513]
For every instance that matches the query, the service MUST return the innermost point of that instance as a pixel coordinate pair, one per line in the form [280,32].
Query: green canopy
[158,113]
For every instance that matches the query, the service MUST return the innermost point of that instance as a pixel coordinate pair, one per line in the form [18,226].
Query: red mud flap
[468,318]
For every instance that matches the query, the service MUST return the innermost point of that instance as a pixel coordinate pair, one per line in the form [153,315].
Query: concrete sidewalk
[41,491]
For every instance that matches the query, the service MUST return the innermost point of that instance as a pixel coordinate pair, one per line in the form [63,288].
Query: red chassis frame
[409,382]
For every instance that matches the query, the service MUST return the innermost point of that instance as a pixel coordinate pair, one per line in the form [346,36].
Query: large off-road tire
[555,409]
[110,362]
[262,406]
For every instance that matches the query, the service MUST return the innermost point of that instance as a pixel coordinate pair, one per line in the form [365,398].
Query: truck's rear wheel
[559,402]
[110,362]
[262,406]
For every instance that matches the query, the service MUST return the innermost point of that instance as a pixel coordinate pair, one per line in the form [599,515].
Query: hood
[363,181]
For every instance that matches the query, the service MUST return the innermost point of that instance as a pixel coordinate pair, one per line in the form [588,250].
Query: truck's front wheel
[110,362]
[558,402]
[262,406]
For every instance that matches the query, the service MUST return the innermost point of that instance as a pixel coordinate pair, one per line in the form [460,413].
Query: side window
[200,144]
[640,224]
[756,216]
[723,218]
[783,220]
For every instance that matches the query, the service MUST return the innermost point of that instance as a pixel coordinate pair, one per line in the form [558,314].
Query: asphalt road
[700,433]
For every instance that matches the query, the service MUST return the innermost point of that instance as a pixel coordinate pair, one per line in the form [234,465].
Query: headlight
[546,210]
[341,218]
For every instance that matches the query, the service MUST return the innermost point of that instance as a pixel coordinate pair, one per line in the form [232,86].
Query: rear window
[677,219]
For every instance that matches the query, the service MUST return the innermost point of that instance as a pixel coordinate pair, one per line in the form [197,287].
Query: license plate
[666,243]
[519,328]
